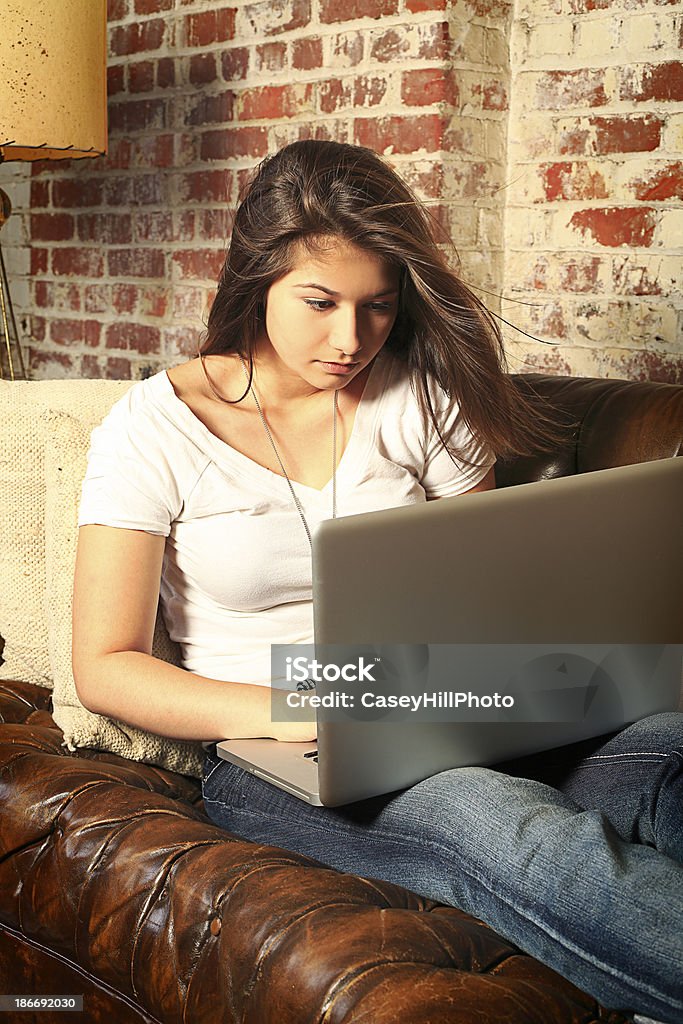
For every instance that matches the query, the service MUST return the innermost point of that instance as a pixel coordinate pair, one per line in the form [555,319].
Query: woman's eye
[319,304]
[380,307]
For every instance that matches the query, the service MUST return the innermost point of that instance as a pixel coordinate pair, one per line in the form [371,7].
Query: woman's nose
[346,335]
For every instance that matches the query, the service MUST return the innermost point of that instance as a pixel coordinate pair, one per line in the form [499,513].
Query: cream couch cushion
[58,418]
[23,623]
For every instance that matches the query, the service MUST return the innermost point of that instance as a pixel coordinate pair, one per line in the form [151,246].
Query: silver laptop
[581,576]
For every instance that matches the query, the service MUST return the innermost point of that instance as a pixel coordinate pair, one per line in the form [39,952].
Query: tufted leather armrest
[110,872]
[615,423]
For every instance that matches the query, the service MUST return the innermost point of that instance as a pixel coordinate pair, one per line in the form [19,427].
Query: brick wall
[594,227]
[547,155]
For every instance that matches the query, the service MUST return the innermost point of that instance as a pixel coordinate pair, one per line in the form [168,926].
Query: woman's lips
[341,368]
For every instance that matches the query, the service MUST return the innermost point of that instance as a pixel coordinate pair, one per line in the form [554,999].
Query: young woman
[346,369]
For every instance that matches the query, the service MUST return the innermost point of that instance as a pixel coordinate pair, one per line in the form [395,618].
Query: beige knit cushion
[65,465]
[23,625]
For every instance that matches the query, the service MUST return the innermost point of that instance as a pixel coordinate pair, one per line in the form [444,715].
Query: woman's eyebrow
[328,291]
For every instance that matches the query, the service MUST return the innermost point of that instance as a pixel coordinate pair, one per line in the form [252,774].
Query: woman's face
[329,316]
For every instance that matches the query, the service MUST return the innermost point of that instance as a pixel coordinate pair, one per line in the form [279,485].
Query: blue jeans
[576,856]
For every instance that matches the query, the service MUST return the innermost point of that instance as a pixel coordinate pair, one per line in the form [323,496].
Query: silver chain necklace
[274,446]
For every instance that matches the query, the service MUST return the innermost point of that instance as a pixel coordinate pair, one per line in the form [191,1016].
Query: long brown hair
[312,191]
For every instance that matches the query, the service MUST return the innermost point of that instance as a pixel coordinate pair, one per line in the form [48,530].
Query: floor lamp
[53,106]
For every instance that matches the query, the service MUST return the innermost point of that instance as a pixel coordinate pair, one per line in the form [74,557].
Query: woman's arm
[116,591]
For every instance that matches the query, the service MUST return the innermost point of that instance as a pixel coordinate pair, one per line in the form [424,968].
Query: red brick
[425,86]
[118,191]
[118,369]
[38,331]
[154,302]
[136,263]
[488,8]
[185,226]
[124,298]
[165,72]
[152,6]
[333,10]
[212,109]
[77,262]
[235,64]
[90,368]
[66,332]
[210,27]
[572,181]
[154,151]
[52,227]
[233,142]
[49,361]
[307,53]
[206,186]
[96,298]
[335,94]
[40,194]
[136,337]
[91,333]
[105,228]
[69,192]
[119,155]
[434,42]
[117,10]
[141,76]
[586,6]
[202,69]
[418,6]
[154,226]
[43,294]
[617,225]
[663,183]
[199,264]
[150,189]
[652,82]
[391,45]
[401,134]
[493,95]
[369,90]
[348,45]
[215,224]
[38,260]
[663,368]
[115,79]
[548,320]
[66,296]
[627,134]
[272,102]
[271,56]
[136,116]
[580,274]
[558,89]
[547,359]
[140,37]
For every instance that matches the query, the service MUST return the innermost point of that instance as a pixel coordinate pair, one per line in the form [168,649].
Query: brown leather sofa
[114,884]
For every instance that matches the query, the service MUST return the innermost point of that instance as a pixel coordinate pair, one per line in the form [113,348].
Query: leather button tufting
[215,926]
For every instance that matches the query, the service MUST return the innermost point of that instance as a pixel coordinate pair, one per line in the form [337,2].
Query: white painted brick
[669,231]
[553,37]
[597,37]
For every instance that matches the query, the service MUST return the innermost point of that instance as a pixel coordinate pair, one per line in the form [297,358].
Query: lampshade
[52,79]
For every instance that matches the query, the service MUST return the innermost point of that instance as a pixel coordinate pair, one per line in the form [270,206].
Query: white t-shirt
[236,573]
